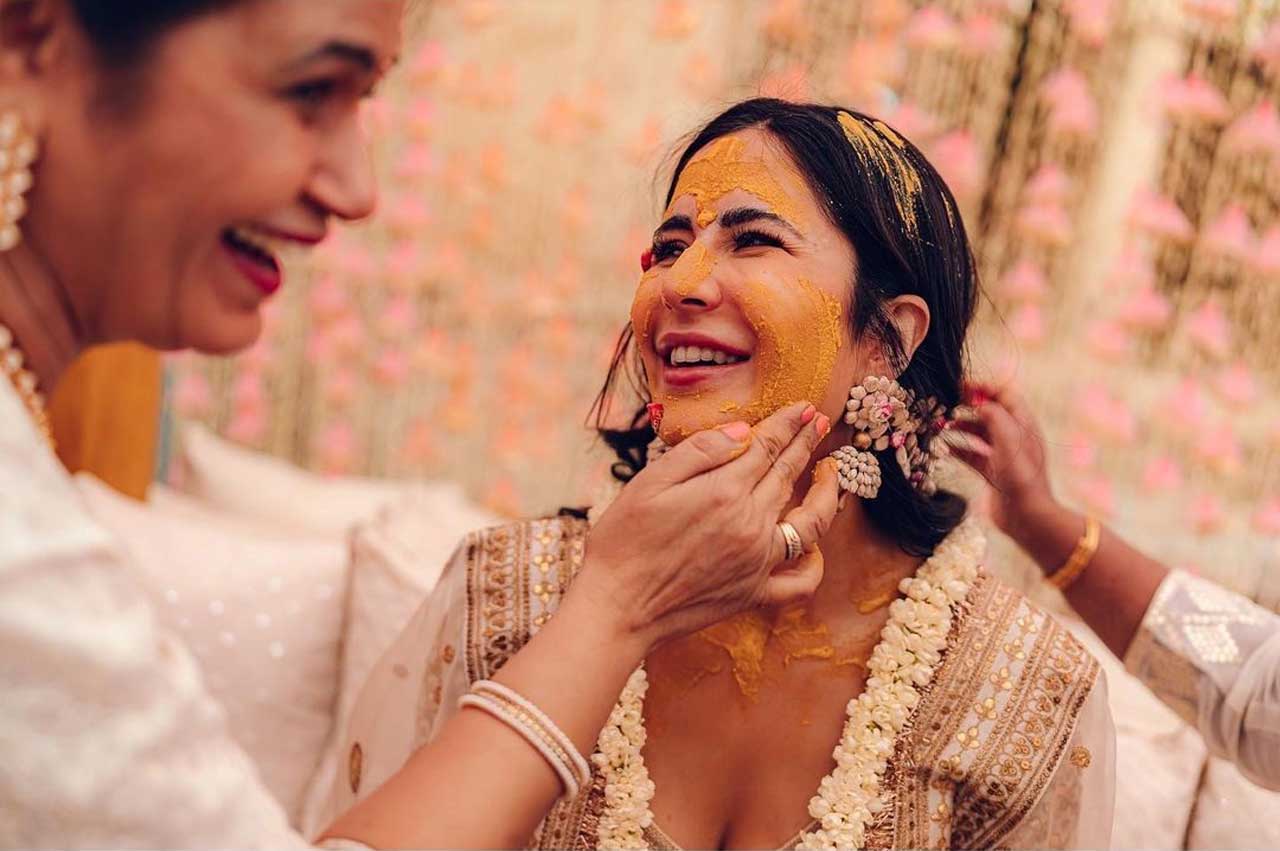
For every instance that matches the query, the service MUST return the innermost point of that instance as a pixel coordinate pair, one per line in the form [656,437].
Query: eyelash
[665,249]
[312,92]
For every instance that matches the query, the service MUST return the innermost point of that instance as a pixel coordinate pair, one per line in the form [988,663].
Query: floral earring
[18,151]
[885,415]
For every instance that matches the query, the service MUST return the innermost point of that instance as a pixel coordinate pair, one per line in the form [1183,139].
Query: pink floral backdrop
[1117,162]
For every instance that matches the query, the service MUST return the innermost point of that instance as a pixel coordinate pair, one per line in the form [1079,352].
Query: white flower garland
[904,661]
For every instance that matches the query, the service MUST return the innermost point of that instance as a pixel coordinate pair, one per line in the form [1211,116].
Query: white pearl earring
[18,151]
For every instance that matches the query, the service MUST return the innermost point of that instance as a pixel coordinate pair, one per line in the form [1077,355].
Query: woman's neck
[862,569]
[36,308]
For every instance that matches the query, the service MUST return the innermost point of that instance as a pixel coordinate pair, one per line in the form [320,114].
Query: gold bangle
[1080,558]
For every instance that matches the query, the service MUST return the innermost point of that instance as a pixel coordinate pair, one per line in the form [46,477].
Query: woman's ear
[30,31]
[910,315]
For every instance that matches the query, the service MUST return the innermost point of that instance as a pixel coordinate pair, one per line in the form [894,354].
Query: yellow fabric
[105,414]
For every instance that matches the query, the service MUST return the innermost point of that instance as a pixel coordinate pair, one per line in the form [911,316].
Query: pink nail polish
[808,415]
[824,425]
[737,431]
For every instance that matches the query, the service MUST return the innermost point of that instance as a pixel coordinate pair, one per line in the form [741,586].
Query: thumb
[700,453]
[796,582]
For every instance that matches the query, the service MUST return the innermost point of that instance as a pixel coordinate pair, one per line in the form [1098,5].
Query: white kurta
[107,735]
[1214,657]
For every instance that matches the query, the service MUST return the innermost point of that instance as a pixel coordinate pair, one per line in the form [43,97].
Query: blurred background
[1117,162]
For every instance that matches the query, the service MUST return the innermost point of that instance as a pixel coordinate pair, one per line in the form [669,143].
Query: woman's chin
[679,421]
[226,337]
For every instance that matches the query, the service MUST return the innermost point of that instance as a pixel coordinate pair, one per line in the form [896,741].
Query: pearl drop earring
[18,151]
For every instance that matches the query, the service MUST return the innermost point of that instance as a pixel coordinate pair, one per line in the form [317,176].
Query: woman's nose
[691,283]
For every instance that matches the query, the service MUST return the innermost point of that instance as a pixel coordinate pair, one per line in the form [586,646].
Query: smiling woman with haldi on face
[806,252]
[157,160]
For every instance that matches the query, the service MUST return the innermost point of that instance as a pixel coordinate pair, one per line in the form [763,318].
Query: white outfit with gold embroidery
[107,735]
[1214,658]
[1012,744]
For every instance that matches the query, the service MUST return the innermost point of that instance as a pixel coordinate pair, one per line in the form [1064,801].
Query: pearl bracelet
[578,763]
[534,727]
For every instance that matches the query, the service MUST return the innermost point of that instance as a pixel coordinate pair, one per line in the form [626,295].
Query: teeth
[266,243]
[697,355]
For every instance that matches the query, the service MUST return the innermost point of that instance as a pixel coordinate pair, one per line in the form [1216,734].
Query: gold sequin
[355,767]
[448,654]
[1080,756]
[968,738]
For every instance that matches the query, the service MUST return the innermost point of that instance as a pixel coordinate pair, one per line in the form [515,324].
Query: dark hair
[122,31]
[921,250]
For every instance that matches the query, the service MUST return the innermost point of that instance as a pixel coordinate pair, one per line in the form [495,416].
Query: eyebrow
[358,55]
[746,215]
[674,223]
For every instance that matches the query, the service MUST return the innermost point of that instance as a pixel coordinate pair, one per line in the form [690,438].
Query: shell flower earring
[884,416]
[18,151]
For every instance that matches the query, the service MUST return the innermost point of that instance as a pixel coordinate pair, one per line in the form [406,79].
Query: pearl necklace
[25,382]
[848,800]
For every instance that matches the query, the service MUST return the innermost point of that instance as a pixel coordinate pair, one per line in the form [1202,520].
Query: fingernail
[808,415]
[824,425]
[737,431]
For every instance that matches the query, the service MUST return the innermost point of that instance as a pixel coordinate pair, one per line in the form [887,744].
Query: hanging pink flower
[1081,451]
[1229,236]
[247,426]
[1216,14]
[674,19]
[248,393]
[1266,520]
[1255,131]
[1098,494]
[1162,474]
[1208,329]
[1266,255]
[1109,341]
[1145,309]
[427,61]
[1220,449]
[980,34]
[871,66]
[1090,20]
[1237,385]
[931,28]
[1072,110]
[1193,98]
[911,121]
[1047,224]
[958,160]
[192,396]
[1266,50]
[1024,282]
[336,446]
[341,387]
[1206,514]
[1027,325]
[785,23]
[1048,185]
[1158,216]
[1131,270]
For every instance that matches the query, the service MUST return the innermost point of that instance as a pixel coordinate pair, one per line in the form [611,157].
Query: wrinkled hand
[1003,442]
[693,538]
